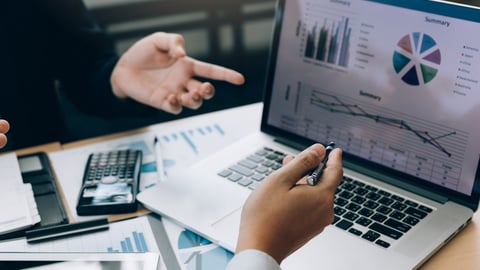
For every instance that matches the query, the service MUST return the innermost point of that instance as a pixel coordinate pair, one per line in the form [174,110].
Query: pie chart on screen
[417,58]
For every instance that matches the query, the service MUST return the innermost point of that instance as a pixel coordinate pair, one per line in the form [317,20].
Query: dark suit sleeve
[83,58]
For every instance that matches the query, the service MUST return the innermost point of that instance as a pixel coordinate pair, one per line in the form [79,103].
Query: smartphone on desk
[110,183]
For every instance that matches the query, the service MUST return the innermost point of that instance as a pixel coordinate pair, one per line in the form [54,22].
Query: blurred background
[233,33]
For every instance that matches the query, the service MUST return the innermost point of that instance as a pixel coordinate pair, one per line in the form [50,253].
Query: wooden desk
[50,147]
[104,138]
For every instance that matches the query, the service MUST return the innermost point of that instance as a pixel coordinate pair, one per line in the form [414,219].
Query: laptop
[395,84]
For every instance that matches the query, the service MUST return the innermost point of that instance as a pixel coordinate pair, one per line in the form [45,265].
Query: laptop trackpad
[227,227]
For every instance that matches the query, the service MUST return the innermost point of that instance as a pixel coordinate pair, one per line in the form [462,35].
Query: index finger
[216,72]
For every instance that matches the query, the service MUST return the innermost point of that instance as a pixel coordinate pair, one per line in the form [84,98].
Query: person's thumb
[303,163]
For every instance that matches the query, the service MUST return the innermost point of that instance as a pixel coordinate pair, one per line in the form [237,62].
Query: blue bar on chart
[189,142]
[188,136]
[219,129]
[126,245]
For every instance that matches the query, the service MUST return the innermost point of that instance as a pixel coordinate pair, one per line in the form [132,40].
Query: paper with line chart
[405,97]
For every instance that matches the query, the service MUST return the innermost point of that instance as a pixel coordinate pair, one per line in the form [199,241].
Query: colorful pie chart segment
[417,58]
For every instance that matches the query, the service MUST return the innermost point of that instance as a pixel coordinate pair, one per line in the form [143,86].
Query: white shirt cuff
[253,259]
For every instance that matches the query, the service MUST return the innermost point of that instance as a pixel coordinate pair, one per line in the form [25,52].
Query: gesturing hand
[156,71]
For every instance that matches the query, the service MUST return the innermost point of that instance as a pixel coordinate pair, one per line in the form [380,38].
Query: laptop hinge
[290,143]
[396,182]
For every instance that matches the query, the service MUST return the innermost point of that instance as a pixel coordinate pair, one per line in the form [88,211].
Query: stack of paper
[17,202]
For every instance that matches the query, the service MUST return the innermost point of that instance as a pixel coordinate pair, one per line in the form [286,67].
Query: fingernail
[174,101]
[196,98]
[208,91]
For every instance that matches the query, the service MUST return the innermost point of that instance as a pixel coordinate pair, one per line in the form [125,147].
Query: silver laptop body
[396,85]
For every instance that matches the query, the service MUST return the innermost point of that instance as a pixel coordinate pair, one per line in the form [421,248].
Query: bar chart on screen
[327,35]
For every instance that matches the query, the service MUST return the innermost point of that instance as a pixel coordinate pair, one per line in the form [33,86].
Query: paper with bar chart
[133,235]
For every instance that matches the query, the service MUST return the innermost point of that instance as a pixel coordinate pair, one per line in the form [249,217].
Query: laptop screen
[393,83]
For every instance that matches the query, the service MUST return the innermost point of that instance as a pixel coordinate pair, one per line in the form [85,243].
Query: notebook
[395,84]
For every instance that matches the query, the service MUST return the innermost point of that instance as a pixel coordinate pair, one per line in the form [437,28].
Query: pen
[64,230]
[159,159]
[314,175]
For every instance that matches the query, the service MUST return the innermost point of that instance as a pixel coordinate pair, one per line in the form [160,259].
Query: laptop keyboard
[361,209]
[251,171]
[375,214]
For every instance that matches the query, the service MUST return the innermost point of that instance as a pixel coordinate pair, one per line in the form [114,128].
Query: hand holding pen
[314,175]
[289,198]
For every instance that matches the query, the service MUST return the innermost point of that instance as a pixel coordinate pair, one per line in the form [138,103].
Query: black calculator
[110,182]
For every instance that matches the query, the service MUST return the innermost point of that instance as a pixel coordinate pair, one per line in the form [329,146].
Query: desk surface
[50,147]
[462,252]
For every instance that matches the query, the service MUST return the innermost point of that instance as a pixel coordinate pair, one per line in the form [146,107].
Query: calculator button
[109,179]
